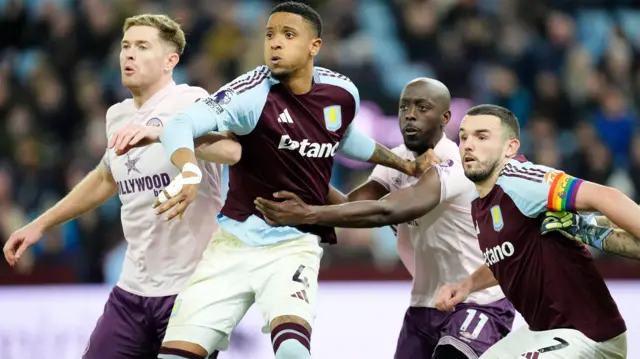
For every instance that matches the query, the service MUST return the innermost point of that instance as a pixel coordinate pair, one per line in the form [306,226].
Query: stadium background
[568,69]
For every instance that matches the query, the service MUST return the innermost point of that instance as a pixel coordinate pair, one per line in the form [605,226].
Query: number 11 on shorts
[471,315]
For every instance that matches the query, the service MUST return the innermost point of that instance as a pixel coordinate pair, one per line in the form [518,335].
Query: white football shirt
[446,248]
[161,255]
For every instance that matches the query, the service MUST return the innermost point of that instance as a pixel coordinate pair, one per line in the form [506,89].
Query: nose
[410,115]
[467,145]
[127,54]
[275,43]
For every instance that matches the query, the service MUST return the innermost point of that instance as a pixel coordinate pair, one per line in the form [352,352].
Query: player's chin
[475,174]
[279,71]
[129,82]
[414,143]
[470,167]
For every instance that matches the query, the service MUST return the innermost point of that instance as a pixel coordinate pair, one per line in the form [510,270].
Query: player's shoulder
[403,152]
[518,172]
[119,110]
[330,77]
[250,83]
[324,73]
[447,150]
[527,184]
[190,92]
[249,90]
[521,164]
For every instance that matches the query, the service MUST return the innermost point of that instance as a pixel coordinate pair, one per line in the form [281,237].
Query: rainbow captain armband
[562,191]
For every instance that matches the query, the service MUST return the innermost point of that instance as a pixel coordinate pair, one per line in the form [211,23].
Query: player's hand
[132,136]
[178,194]
[424,161]
[566,223]
[449,296]
[291,211]
[20,241]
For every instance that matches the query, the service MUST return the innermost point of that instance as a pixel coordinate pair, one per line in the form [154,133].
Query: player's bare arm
[357,146]
[95,189]
[618,209]
[335,196]
[621,242]
[368,191]
[385,157]
[603,221]
[218,147]
[618,241]
[612,203]
[451,294]
[401,206]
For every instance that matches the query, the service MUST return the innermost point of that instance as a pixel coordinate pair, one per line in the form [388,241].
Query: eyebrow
[136,41]
[482,130]
[416,99]
[284,27]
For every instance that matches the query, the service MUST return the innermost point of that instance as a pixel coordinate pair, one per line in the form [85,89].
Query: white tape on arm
[190,167]
[174,188]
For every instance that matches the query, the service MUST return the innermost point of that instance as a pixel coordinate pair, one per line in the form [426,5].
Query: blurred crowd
[568,69]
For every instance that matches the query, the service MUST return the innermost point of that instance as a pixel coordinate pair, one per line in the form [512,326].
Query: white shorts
[282,279]
[557,343]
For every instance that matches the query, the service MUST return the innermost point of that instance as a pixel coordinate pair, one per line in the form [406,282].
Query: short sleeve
[193,94]
[236,107]
[106,161]
[327,76]
[453,182]
[536,189]
[383,176]
[109,118]
[389,178]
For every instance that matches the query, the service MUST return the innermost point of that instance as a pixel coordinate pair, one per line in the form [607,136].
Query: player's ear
[446,117]
[171,61]
[513,145]
[315,46]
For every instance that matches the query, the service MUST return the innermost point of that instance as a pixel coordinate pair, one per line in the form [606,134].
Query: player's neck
[300,82]
[142,95]
[435,139]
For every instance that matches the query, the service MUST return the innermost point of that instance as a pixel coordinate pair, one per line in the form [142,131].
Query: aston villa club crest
[496,218]
[333,117]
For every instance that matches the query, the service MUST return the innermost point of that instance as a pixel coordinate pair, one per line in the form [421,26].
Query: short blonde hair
[168,30]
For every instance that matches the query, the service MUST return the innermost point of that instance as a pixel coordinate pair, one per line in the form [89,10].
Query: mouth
[410,130]
[275,60]
[129,70]
[468,159]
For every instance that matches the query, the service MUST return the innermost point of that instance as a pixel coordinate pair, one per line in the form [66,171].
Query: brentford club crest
[155,122]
